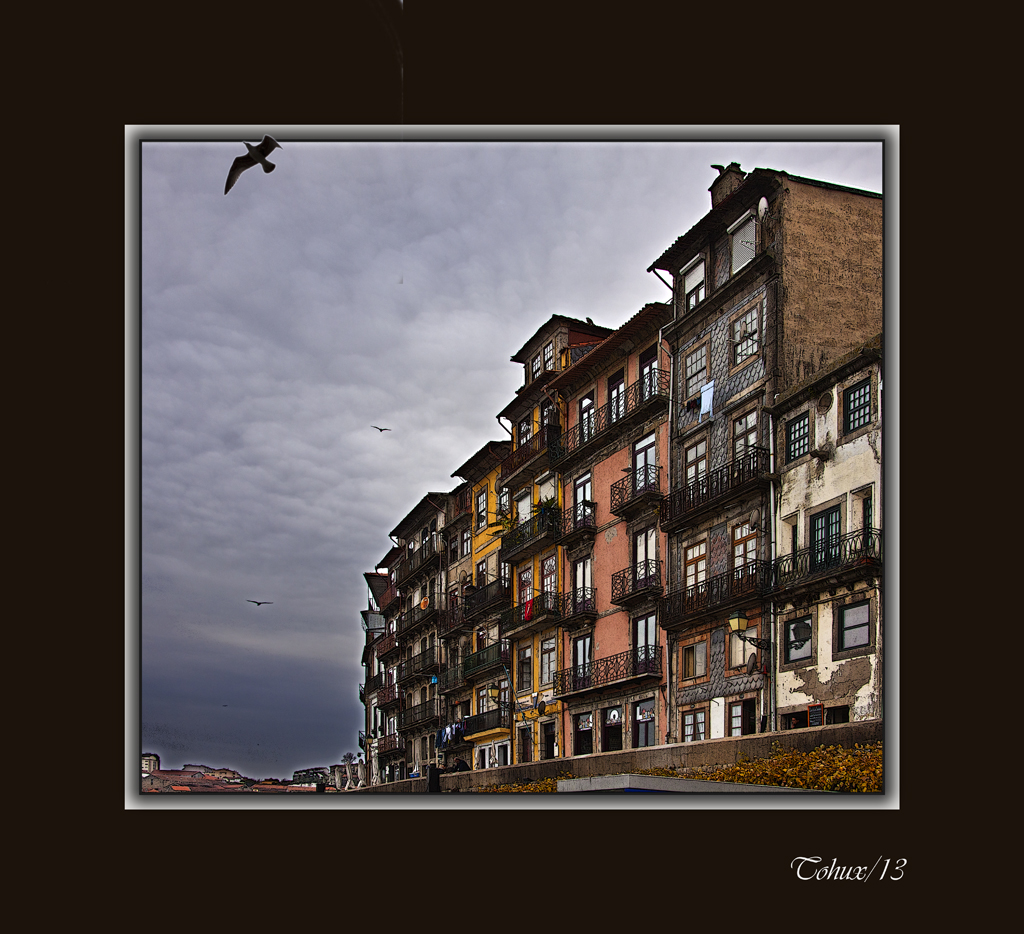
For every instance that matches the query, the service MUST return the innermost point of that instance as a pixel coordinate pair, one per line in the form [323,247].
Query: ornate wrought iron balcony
[450,680]
[421,713]
[422,664]
[642,661]
[640,398]
[717,593]
[391,745]
[492,596]
[640,490]
[426,556]
[686,504]
[578,605]
[579,523]
[526,453]
[532,615]
[498,719]
[388,696]
[387,645]
[531,535]
[420,615]
[374,683]
[487,658]
[855,551]
[636,582]
[461,504]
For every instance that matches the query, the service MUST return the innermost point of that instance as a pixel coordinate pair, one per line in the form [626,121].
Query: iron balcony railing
[533,612]
[752,579]
[715,485]
[652,387]
[388,695]
[527,451]
[388,597]
[578,520]
[452,621]
[421,713]
[362,693]
[461,504]
[495,654]
[387,645]
[636,581]
[419,614]
[639,661]
[498,719]
[863,547]
[392,744]
[491,596]
[362,739]
[419,664]
[532,531]
[451,679]
[374,683]
[642,484]
[579,602]
[413,561]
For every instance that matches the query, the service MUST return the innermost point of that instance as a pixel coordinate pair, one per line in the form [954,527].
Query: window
[524,507]
[481,508]
[536,366]
[582,585]
[525,584]
[504,502]
[646,565]
[583,502]
[467,542]
[739,650]
[525,430]
[645,473]
[481,699]
[549,356]
[696,564]
[744,335]
[695,660]
[743,236]
[857,406]
[548,745]
[547,409]
[526,744]
[855,626]
[581,662]
[696,461]
[798,436]
[825,539]
[696,370]
[744,550]
[743,717]
[481,573]
[583,734]
[616,397]
[693,725]
[549,575]
[798,639]
[611,736]
[524,668]
[586,417]
[453,548]
[693,285]
[648,373]
[645,643]
[548,660]
[744,434]
[643,723]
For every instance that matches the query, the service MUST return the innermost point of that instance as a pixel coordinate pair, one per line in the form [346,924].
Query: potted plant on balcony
[546,506]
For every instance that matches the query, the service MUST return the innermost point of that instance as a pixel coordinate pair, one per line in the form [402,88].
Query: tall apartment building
[779,280]
[682,539]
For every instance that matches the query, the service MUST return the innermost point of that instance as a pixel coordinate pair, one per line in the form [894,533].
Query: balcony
[717,594]
[362,739]
[578,606]
[527,454]
[452,622]
[493,656]
[426,557]
[362,693]
[461,504]
[685,506]
[451,680]
[493,596]
[640,400]
[542,612]
[419,615]
[387,646]
[424,663]
[498,719]
[390,745]
[641,662]
[579,524]
[637,492]
[388,696]
[845,558]
[374,683]
[418,715]
[530,536]
[638,582]
[388,598]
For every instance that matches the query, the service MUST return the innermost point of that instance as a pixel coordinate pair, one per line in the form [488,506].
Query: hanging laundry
[706,392]
[528,611]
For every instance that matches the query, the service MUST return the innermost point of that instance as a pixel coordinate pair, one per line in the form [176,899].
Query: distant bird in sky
[258,603]
[257,156]
[380,429]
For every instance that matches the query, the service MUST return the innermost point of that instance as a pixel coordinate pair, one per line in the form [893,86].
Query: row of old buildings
[681,538]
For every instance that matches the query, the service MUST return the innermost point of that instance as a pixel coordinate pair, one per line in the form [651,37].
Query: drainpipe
[773,682]
[669,703]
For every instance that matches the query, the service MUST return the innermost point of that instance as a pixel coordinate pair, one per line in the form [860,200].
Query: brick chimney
[729,179]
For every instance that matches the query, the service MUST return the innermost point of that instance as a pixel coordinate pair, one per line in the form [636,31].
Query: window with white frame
[744,434]
[696,564]
[525,430]
[695,660]
[696,370]
[481,508]
[745,335]
[536,366]
[693,284]
[549,356]
[743,236]
[694,725]
[548,660]
[854,626]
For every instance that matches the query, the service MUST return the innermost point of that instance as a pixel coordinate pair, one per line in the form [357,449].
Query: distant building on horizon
[150,762]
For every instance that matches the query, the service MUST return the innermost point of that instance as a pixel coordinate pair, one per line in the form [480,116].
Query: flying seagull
[380,429]
[257,155]
[259,602]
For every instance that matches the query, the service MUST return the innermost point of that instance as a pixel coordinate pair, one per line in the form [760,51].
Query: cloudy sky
[362,282]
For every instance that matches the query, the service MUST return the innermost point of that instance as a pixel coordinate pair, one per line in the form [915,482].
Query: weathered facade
[681,541]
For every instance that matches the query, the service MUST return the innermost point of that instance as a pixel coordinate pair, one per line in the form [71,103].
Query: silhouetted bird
[259,602]
[380,429]
[257,156]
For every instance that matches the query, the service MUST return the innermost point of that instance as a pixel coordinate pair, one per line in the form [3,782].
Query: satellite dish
[751,663]
[463,577]
[762,208]
[541,707]
[755,517]
[424,603]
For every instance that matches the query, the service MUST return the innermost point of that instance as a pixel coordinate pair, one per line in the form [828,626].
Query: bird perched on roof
[380,429]
[259,602]
[257,156]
